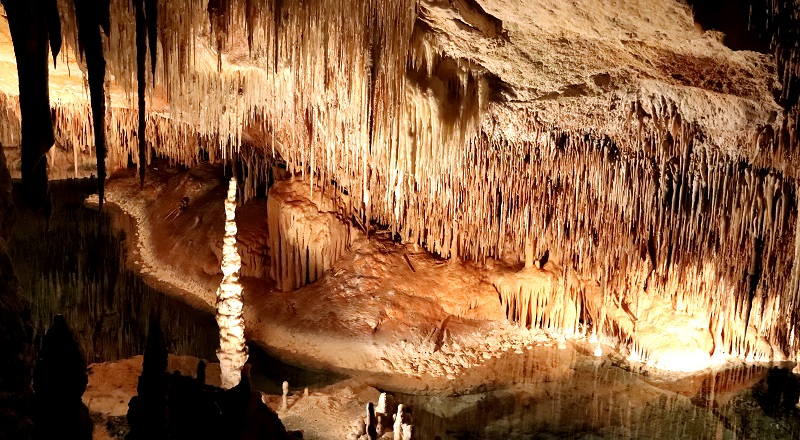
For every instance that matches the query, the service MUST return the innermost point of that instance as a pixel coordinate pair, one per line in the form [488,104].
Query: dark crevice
[731,17]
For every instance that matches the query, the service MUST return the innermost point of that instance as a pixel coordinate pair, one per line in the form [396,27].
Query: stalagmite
[380,408]
[232,351]
[284,395]
[371,422]
[406,431]
[398,423]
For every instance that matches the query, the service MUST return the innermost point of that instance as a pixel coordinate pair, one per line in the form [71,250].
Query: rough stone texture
[577,64]
[391,314]
[306,234]
[643,156]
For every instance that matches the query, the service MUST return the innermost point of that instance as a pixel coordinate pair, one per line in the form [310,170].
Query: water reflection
[75,265]
[603,401]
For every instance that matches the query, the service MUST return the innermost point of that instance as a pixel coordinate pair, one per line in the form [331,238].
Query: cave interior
[397,219]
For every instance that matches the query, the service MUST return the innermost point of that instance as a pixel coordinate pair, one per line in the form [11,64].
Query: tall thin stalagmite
[232,351]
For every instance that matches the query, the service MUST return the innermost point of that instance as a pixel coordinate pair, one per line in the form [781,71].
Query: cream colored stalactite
[709,222]
[306,236]
[647,209]
[232,351]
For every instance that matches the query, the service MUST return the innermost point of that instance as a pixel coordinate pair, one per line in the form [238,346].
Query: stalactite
[141,56]
[53,28]
[357,99]
[90,18]
[232,351]
[146,35]
[647,225]
[31,33]
[305,233]
[151,16]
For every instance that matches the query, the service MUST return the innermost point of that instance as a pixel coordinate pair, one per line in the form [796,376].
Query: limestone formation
[649,168]
[371,422]
[397,431]
[380,408]
[285,395]
[407,431]
[232,351]
[306,234]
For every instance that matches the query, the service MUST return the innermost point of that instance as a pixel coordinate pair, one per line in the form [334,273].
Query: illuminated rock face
[232,352]
[306,235]
[497,129]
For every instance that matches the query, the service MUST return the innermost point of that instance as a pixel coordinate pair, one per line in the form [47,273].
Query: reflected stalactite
[605,401]
[16,348]
[76,266]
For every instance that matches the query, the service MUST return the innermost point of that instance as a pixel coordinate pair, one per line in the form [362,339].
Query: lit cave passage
[399,219]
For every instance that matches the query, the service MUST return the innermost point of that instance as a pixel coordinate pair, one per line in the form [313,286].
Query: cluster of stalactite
[74,130]
[355,97]
[306,235]
[536,300]
[332,67]
[670,217]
